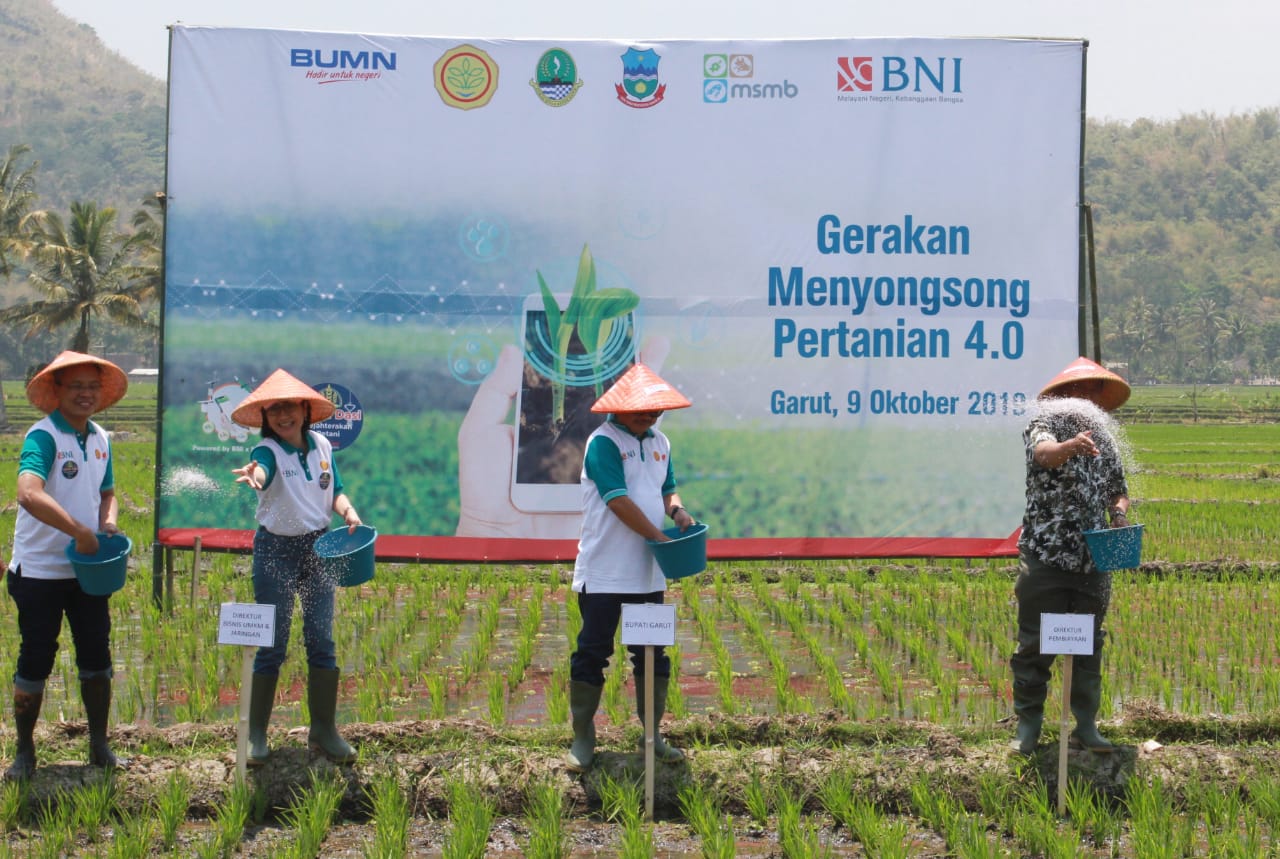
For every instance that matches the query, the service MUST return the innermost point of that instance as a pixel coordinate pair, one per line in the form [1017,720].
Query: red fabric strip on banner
[485,550]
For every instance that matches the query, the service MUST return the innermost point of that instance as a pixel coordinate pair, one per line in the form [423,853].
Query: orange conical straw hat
[1112,390]
[640,390]
[279,387]
[42,390]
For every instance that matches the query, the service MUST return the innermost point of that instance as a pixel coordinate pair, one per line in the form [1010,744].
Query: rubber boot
[262,698]
[662,751]
[1028,736]
[322,699]
[1086,695]
[1028,703]
[26,711]
[95,692]
[584,700]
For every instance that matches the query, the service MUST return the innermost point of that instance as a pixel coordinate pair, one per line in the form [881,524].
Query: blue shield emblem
[640,73]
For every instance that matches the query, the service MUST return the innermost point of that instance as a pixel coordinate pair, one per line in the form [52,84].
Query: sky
[1154,60]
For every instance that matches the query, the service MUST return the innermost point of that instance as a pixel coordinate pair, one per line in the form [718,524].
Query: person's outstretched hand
[486,446]
[248,475]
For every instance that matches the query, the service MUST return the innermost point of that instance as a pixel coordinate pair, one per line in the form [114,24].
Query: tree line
[1187,232]
[83,267]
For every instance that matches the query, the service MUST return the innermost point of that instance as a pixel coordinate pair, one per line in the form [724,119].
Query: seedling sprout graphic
[591,313]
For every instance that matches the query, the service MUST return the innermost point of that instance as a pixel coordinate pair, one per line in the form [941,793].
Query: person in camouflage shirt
[1075,483]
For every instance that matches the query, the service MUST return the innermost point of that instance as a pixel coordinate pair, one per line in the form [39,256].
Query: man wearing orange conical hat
[628,490]
[66,492]
[1075,483]
[299,489]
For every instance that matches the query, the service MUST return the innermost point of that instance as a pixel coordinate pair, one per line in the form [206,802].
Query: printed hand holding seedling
[486,445]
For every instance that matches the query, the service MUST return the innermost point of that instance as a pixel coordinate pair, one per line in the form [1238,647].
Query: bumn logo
[335,66]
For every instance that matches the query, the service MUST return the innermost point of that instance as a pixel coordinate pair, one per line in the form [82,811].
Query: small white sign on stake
[1066,634]
[648,623]
[247,624]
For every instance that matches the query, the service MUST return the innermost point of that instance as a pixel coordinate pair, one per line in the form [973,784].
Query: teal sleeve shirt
[603,464]
[265,457]
[40,452]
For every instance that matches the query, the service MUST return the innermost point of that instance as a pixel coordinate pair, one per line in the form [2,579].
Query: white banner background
[690,202]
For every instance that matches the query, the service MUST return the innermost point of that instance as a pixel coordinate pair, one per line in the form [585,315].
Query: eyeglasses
[78,387]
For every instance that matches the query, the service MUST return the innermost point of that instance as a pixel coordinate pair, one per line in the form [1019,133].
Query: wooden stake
[650,732]
[195,569]
[242,728]
[1063,734]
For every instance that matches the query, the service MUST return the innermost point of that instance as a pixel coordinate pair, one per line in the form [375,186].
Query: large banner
[857,257]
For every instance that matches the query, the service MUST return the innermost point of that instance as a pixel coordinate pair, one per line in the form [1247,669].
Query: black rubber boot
[1028,736]
[262,698]
[322,699]
[1028,703]
[1086,696]
[584,700]
[95,692]
[663,752]
[26,711]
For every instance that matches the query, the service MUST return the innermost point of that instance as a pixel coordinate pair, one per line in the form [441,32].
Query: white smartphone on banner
[553,406]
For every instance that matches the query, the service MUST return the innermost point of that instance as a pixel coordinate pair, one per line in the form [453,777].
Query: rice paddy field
[827,708]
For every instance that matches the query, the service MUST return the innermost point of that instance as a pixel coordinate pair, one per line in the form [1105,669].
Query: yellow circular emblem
[466,77]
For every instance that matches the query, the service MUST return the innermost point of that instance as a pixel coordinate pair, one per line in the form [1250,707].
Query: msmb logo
[727,77]
[907,76]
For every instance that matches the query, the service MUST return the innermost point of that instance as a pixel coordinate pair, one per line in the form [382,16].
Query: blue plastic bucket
[102,573]
[348,557]
[685,554]
[1115,548]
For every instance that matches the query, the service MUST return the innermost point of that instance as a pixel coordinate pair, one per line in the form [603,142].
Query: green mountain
[1187,227]
[94,121]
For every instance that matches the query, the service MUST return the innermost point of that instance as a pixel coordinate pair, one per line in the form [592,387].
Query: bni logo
[731,76]
[894,74]
[855,74]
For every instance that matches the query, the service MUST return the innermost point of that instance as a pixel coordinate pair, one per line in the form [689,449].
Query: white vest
[75,482]
[613,559]
[298,500]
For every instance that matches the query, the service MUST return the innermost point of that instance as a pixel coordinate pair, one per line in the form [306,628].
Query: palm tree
[1208,316]
[84,267]
[1167,324]
[17,193]
[148,229]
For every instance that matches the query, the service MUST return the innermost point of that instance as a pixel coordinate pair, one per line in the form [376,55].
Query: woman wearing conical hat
[66,491]
[296,478]
[1075,483]
[628,490]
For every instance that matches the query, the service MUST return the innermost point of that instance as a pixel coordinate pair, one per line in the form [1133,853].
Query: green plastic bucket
[685,554]
[103,572]
[348,557]
[1115,548]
